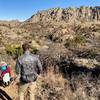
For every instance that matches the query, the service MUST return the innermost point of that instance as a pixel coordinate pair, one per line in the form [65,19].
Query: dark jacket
[28,66]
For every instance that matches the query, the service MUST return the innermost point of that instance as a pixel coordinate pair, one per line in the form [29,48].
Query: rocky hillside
[67,15]
[71,32]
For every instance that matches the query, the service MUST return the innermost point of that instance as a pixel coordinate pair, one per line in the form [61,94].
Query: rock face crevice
[68,14]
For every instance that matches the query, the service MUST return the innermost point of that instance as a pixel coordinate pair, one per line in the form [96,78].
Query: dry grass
[53,86]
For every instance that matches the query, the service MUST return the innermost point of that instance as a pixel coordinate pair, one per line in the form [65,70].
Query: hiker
[26,68]
[5,73]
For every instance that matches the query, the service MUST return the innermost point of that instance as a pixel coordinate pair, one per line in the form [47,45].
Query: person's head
[3,65]
[26,46]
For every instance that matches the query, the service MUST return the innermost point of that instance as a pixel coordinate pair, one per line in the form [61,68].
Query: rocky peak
[67,14]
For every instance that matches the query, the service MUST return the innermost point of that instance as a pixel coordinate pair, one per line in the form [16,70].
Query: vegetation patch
[78,40]
[13,50]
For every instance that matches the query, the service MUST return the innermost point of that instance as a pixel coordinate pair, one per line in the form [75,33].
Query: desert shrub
[34,50]
[53,86]
[50,36]
[50,86]
[18,33]
[95,28]
[13,50]
[77,28]
[33,35]
[68,43]
[91,54]
[53,38]
[78,40]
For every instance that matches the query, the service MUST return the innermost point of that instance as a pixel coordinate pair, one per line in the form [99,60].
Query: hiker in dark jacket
[27,68]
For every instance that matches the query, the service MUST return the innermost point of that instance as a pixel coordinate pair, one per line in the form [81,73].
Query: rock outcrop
[68,14]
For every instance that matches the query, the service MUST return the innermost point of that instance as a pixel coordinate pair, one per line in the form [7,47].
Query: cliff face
[68,14]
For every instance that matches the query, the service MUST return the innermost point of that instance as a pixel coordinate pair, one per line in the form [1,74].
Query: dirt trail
[11,91]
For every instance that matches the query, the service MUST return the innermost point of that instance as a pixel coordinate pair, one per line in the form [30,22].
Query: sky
[24,9]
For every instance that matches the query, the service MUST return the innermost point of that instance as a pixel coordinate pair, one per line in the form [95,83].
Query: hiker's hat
[3,66]
[2,63]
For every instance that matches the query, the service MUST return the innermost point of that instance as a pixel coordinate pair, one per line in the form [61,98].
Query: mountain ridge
[67,14]
[83,13]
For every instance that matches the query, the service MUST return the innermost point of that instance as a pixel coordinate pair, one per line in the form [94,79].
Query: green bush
[14,51]
[34,50]
[68,43]
[18,33]
[91,54]
[78,39]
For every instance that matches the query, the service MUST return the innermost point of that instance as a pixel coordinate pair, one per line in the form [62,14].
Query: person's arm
[9,70]
[17,70]
[39,65]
